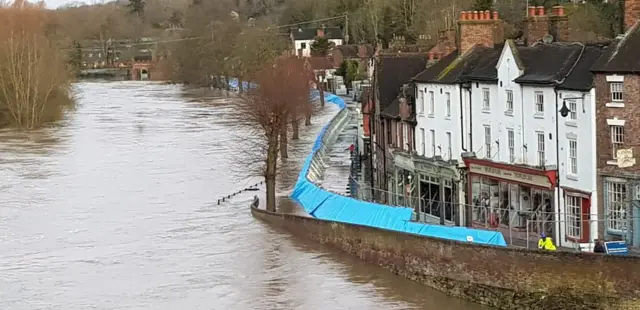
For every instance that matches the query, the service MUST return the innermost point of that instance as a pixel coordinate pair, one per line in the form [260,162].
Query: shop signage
[531,179]
[403,162]
[435,170]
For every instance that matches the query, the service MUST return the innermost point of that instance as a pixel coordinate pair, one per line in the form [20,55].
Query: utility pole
[346,28]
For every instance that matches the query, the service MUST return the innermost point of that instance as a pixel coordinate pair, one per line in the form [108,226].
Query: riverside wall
[493,274]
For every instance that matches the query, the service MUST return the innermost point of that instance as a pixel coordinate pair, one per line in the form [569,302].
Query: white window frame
[487,141]
[421,102]
[573,157]
[432,103]
[509,101]
[511,145]
[541,145]
[616,205]
[449,145]
[405,137]
[447,96]
[573,109]
[616,89]
[617,139]
[398,135]
[539,102]
[423,144]
[486,99]
[573,215]
[432,132]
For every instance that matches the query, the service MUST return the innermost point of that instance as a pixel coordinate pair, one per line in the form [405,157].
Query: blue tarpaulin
[325,205]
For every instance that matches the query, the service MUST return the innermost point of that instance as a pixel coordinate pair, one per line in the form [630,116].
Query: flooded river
[116,209]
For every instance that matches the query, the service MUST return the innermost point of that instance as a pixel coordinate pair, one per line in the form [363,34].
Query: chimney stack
[536,25]
[559,24]
[480,28]
[320,32]
[631,13]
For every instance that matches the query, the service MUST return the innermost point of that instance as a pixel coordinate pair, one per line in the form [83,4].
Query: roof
[312,33]
[320,63]
[351,50]
[477,63]
[548,63]
[393,109]
[580,78]
[622,55]
[393,71]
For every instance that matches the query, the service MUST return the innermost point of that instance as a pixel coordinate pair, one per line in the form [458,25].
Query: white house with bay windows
[515,130]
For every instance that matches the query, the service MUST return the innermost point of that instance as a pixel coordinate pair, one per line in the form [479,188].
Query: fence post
[527,237]
[442,199]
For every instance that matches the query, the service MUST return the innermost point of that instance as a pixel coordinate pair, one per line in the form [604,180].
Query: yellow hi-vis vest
[546,244]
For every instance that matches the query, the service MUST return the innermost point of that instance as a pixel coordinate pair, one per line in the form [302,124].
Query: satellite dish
[547,38]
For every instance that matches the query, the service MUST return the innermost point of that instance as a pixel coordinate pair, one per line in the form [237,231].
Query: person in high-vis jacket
[545,243]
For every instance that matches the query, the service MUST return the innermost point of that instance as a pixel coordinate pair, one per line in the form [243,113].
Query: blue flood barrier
[325,205]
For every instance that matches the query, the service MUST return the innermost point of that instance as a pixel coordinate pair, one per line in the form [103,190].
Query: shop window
[615,196]
[431,203]
[577,217]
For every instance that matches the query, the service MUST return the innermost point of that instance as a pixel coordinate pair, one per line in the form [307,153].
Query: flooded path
[116,209]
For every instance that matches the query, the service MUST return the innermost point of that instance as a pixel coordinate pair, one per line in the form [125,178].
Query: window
[509,101]
[616,89]
[398,141]
[573,157]
[573,115]
[423,143]
[433,142]
[432,105]
[449,144]
[539,102]
[541,157]
[511,145]
[448,107]
[617,139]
[616,205]
[303,45]
[487,141]
[405,137]
[421,102]
[486,104]
[574,216]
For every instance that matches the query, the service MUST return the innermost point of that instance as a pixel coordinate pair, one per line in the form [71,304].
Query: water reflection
[116,209]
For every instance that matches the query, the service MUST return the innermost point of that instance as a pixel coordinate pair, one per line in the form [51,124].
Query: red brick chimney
[320,32]
[559,24]
[480,28]
[536,25]
[631,13]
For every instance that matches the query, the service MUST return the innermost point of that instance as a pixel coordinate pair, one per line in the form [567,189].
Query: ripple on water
[115,208]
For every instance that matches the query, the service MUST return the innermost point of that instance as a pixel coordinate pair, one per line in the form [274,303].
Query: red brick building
[617,83]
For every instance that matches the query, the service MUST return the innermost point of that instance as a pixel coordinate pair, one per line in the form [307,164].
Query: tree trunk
[270,172]
[283,140]
[240,86]
[295,125]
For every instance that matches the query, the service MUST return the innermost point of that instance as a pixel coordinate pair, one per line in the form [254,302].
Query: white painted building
[503,108]
[303,38]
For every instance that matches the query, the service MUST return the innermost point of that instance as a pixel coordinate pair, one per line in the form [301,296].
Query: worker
[545,243]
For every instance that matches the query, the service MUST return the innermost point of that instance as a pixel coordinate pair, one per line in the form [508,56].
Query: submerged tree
[321,46]
[268,107]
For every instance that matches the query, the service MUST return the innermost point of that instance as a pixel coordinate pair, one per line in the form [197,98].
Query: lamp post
[564,112]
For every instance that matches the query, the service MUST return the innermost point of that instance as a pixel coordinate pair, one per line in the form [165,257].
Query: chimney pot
[487,14]
[475,15]
[430,55]
[532,11]
[463,15]
[495,15]
[541,11]
[558,10]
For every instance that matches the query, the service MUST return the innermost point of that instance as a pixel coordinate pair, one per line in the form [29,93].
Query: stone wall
[499,277]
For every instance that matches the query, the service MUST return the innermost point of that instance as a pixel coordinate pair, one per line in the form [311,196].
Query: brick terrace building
[617,82]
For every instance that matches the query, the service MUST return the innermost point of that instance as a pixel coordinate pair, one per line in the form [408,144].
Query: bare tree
[268,106]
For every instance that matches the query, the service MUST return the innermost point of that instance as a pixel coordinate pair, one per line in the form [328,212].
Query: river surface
[116,208]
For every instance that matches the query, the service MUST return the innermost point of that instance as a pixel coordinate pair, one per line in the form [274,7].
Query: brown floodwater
[116,208]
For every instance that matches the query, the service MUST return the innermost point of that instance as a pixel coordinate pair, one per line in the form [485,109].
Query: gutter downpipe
[470,118]
[462,120]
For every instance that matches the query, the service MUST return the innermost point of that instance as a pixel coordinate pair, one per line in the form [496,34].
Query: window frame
[421,102]
[616,224]
[423,143]
[448,106]
[511,144]
[449,147]
[541,148]
[486,99]
[487,141]
[573,109]
[539,102]
[432,103]
[432,132]
[573,156]
[578,212]
[613,92]
[509,101]
[614,137]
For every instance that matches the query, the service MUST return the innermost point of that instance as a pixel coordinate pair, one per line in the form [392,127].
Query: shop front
[511,196]
[430,187]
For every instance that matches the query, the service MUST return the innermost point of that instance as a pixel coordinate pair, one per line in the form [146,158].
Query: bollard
[218,201]
[222,198]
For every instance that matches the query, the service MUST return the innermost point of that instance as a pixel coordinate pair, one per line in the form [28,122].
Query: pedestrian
[599,247]
[545,243]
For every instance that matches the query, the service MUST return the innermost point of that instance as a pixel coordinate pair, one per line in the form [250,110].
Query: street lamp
[564,112]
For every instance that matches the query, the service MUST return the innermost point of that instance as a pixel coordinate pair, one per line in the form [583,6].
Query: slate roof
[622,55]
[393,110]
[351,50]
[580,78]
[393,71]
[311,33]
[478,64]
[483,65]
[547,63]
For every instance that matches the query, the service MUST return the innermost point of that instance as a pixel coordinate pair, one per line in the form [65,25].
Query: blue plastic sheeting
[325,205]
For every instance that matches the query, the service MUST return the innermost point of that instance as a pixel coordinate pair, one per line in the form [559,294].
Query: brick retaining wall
[501,277]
